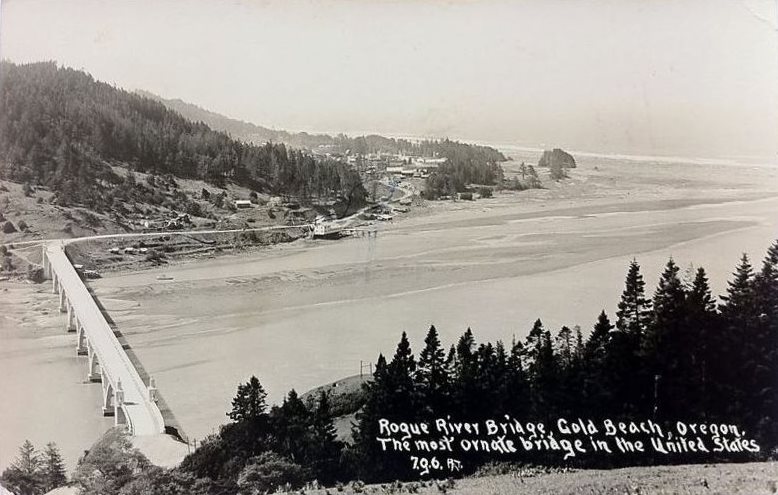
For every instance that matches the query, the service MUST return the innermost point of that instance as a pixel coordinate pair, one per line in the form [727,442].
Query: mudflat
[303,314]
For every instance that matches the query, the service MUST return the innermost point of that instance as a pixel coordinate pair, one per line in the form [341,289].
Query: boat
[327,230]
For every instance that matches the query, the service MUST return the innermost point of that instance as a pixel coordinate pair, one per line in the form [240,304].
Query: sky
[681,77]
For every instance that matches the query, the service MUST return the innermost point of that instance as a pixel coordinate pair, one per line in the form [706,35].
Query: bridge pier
[95,370]
[81,341]
[72,321]
[46,264]
[54,283]
[63,301]
[109,404]
[118,402]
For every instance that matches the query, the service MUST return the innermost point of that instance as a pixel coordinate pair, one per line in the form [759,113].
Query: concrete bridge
[125,395]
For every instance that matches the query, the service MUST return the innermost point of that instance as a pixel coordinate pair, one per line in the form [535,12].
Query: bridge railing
[104,343]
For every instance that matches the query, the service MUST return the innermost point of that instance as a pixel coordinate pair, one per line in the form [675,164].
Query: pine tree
[465,386]
[401,370]
[324,449]
[53,468]
[291,423]
[533,182]
[598,339]
[516,383]
[634,308]
[544,375]
[431,376]
[663,346]
[486,399]
[579,343]
[533,344]
[565,346]
[23,476]
[766,344]
[249,402]
[701,341]
[599,381]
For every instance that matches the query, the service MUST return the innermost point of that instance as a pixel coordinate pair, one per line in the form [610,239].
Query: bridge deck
[142,415]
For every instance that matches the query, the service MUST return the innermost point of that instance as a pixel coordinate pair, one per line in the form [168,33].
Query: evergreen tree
[517,386]
[431,376]
[533,181]
[766,300]
[53,468]
[489,372]
[598,339]
[291,424]
[465,377]
[249,403]
[400,373]
[599,383]
[325,449]
[565,346]
[544,379]
[579,343]
[634,308]
[701,342]
[739,326]
[533,344]
[384,400]
[23,476]
[663,348]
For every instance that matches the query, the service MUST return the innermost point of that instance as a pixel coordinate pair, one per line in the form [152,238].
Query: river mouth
[310,314]
[307,313]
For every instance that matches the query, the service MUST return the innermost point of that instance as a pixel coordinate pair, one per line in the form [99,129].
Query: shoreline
[231,315]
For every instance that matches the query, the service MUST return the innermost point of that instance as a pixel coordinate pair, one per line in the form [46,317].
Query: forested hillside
[238,129]
[340,143]
[62,129]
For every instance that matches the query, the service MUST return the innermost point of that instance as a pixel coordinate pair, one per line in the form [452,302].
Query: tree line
[34,472]
[674,356]
[443,148]
[62,129]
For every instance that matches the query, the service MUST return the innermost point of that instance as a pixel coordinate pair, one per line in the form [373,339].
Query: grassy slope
[716,479]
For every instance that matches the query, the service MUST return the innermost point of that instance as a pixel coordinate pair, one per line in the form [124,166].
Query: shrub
[269,471]
[467,196]
[110,464]
[22,225]
[485,192]
[8,228]
[155,256]
[194,209]
[35,274]
[7,265]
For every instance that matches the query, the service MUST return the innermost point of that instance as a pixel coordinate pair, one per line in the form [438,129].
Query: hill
[338,145]
[238,129]
[61,129]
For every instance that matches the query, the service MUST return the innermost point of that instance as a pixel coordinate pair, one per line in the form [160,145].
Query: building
[242,203]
